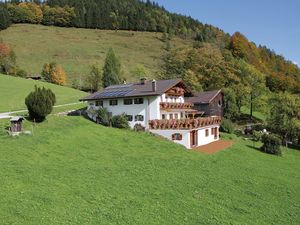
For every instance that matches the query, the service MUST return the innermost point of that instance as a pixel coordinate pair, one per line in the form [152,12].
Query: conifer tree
[111,69]
[40,103]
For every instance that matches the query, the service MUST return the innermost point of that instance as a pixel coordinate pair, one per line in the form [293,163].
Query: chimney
[143,80]
[154,86]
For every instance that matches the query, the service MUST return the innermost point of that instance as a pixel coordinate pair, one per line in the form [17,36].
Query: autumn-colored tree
[25,12]
[54,73]
[58,75]
[7,59]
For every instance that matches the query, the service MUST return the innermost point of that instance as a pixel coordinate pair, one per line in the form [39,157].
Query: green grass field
[14,91]
[78,49]
[72,171]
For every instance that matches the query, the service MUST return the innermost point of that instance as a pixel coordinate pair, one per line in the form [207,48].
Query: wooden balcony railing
[169,105]
[184,124]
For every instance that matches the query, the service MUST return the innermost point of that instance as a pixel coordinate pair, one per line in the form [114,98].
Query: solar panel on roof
[119,86]
[119,93]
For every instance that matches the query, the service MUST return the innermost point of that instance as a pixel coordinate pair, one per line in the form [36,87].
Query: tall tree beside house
[111,70]
[254,82]
[284,118]
[94,79]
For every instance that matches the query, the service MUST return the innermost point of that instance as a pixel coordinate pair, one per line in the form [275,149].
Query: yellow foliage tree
[58,75]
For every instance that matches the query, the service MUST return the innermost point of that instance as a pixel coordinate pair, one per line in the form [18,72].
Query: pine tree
[40,103]
[111,69]
[4,17]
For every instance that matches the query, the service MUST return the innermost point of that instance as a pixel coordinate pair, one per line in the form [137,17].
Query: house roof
[134,90]
[203,97]
[17,118]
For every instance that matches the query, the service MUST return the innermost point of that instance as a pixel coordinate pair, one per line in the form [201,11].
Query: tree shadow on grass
[254,147]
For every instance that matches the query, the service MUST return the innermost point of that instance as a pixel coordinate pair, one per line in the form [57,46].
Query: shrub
[139,128]
[257,135]
[40,103]
[120,121]
[103,117]
[227,126]
[271,144]
[21,73]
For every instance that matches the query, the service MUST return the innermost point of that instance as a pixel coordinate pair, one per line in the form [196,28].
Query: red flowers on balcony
[169,105]
[183,124]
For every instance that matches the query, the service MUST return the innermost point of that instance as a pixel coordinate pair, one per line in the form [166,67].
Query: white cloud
[296,63]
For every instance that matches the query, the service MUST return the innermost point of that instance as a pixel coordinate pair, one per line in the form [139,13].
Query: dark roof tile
[203,97]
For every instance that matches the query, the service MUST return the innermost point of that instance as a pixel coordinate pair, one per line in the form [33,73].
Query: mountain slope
[78,49]
[13,92]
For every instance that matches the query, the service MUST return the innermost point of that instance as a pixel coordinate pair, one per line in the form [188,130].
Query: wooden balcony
[184,124]
[169,105]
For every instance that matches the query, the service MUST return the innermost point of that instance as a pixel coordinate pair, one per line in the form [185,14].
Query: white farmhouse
[159,106]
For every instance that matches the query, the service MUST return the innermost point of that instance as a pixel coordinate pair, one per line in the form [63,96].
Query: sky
[274,23]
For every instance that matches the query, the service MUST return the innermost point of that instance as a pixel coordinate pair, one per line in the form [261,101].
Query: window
[138,101]
[181,115]
[206,133]
[171,116]
[113,102]
[220,103]
[139,118]
[177,137]
[176,116]
[163,116]
[212,131]
[128,101]
[99,103]
[129,118]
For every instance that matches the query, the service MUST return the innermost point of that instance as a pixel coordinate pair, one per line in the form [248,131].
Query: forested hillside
[136,15]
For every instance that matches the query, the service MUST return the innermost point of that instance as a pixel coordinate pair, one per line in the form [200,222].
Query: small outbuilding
[209,102]
[16,124]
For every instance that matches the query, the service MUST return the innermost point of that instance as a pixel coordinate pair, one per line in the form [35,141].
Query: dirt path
[6,115]
[214,147]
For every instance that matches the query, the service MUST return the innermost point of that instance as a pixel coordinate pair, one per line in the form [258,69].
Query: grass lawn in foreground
[13,91]
[72,171]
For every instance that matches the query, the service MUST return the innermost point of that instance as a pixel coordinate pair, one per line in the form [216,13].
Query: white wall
[203,140]
[168,134]
[150,109]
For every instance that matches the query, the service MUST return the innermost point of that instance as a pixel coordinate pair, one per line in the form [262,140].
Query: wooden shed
[16,124]
[209,102]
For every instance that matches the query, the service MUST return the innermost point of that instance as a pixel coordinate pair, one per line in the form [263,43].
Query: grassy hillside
[73,171]
[78,49]
[13,91]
